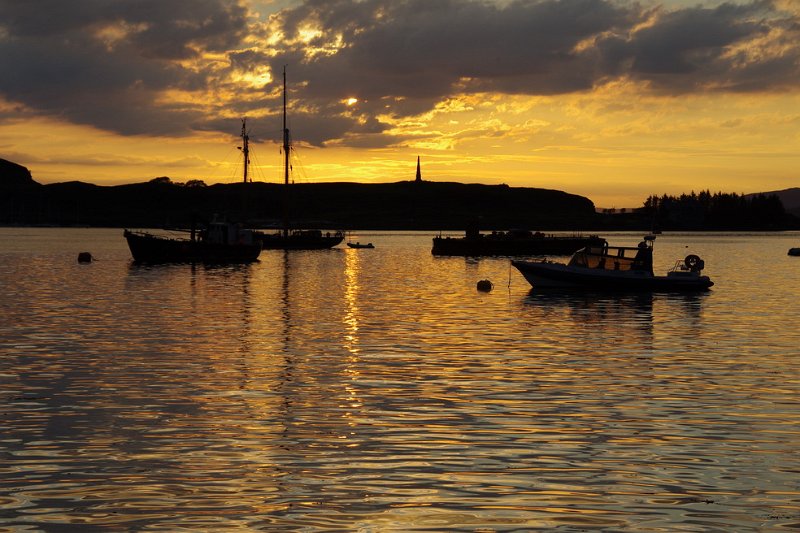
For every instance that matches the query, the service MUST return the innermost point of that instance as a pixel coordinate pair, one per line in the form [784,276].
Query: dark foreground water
[378,390]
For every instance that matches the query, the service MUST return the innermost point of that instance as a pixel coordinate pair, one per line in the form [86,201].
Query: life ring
[693,262]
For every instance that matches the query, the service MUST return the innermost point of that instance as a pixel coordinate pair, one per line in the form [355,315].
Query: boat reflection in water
[607,310]
[616,268]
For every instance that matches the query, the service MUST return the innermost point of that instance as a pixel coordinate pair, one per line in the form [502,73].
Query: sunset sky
[613,100]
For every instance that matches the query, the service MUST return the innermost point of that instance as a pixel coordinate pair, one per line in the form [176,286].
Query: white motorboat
[616,268]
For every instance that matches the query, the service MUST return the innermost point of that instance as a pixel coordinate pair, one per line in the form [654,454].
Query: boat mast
[245,148]
[285,163]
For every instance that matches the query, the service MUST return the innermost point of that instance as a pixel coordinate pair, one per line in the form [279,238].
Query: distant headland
[405,205]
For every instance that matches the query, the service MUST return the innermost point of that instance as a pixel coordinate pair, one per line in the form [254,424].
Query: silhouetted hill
[14,176]
[393,206]
[402,205]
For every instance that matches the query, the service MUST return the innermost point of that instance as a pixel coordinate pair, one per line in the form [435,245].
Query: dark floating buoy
[485,285]
[85,257]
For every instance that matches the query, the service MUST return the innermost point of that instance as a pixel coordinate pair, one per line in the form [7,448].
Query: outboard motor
[694,263]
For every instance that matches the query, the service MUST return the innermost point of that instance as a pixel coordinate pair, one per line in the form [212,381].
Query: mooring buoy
[485,285]
[85,257]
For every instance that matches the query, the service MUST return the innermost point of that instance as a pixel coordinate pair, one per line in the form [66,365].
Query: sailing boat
[218,242]
[297,239]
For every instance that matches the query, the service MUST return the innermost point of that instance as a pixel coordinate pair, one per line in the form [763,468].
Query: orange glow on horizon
[613,146]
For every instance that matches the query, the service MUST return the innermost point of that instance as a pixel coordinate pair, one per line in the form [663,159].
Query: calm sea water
[378,390]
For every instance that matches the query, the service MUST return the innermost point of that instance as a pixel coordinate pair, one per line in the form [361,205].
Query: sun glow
[256,78]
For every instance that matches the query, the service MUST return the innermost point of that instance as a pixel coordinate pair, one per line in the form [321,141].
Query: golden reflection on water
[353,403]
[380,391]
[351,294]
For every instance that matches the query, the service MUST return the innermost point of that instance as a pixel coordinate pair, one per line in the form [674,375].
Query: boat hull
[146,248]
[487,245]
[546,275]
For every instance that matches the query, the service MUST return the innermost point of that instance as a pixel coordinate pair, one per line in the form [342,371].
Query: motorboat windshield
[621,258]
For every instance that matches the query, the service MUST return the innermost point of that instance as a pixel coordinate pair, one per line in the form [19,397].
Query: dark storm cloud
[422,49]
[684,40]
[168,26]
[106,62]
[688,50]
[403,57]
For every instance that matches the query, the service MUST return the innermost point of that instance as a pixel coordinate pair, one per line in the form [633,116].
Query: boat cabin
[221,232]
[622,258]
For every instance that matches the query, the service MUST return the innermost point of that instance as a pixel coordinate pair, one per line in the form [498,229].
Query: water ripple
[379,391]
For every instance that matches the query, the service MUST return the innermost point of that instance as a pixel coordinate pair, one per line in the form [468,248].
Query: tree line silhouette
[718,211]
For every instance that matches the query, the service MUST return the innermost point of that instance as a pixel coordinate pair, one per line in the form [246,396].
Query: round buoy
[85,257]
[484,285]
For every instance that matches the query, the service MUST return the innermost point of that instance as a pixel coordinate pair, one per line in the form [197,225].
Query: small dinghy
[359,245]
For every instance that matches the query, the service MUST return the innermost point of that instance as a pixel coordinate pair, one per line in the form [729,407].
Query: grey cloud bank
[107,63]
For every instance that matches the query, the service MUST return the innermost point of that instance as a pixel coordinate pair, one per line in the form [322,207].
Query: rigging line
[302,168]
[257,166]
[234,175]
[226,159]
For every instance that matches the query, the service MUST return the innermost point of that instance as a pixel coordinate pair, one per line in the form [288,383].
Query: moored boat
[616,268]
[512,243]
[299,239]
[794,251]
[220,242]
[359,245]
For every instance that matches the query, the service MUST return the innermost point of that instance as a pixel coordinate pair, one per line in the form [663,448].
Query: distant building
[419,173]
